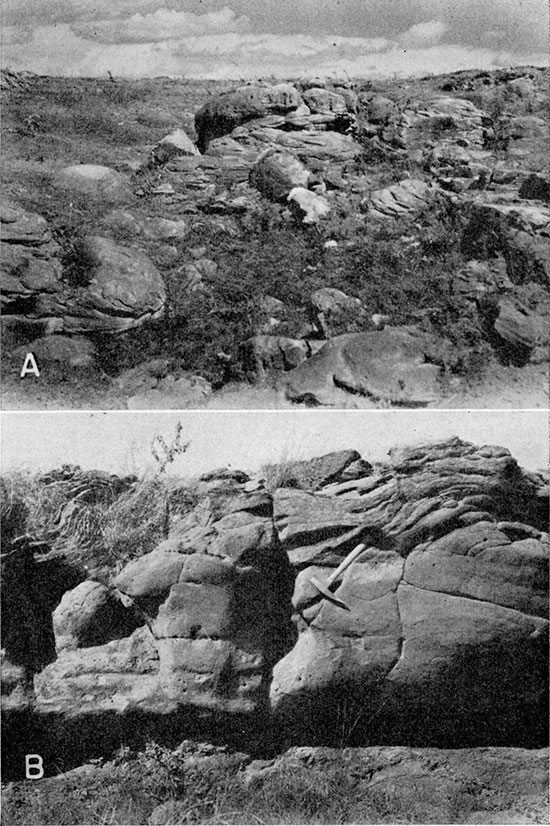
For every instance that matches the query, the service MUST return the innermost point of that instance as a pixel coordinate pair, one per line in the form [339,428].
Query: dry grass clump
[125,520]
[287,473]
[94,518]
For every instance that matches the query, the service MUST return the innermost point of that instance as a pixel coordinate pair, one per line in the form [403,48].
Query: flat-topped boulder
[407,197]
[223,113]
[396,364]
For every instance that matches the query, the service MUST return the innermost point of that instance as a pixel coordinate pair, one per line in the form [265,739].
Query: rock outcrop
[444,640]
[493,785]
[210,604]
[452,168]
[113,288]
[447,602]
[30,267]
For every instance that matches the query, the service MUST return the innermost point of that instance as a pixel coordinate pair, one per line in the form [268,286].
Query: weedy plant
[97,519]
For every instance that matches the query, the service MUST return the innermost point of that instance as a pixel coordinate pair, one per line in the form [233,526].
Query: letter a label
[30,366]
[34,767]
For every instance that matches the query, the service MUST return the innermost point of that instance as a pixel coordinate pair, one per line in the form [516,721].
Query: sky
[119,442]
[232,39]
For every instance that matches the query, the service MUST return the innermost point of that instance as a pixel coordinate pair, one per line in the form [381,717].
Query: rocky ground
[200,783]
[425,661]
[186,244]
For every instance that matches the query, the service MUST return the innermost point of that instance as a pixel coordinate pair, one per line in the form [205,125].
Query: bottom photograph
[275,617]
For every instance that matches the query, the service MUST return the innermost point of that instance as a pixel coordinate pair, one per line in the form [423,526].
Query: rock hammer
[324,590]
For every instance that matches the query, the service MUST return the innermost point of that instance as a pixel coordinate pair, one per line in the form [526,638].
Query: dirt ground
[502,387]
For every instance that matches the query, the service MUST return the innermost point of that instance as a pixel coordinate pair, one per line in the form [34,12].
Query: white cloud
[58,50]
[423,34]
[162,24]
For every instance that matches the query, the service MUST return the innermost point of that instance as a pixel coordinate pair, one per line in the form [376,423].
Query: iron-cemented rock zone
[219,633]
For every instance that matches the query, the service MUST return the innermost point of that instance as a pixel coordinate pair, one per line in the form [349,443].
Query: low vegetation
[94,519]
[213,791]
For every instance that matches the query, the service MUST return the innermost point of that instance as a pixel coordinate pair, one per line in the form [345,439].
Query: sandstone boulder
[443,120]
[517,230]
[173,393]
[276,173]
[307,206]
[22,227]
[123,289]
[322,100]
[27,274]
[90,615]
[173,145]
[380,109]
[392,364]
[95,181]
[521,328]
[265,354]
[338,466]
[163,229]
[29,263]
[334,312]
[154,384]
[220,115]
[407,197]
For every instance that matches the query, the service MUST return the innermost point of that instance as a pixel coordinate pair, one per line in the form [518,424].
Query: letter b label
[34,767]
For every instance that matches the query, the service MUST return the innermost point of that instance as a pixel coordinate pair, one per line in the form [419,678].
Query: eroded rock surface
[212,601]
[446,601]
[29,257]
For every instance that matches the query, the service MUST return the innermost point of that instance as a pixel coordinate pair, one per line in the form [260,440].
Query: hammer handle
[351,557]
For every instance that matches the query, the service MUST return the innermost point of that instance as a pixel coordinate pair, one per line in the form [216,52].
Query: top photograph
[259,205]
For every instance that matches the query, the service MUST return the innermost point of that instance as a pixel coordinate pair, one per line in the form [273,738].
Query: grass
[98,521]
[412,282]
[212,791]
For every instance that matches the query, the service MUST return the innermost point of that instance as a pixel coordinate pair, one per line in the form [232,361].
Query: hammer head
[328,594]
